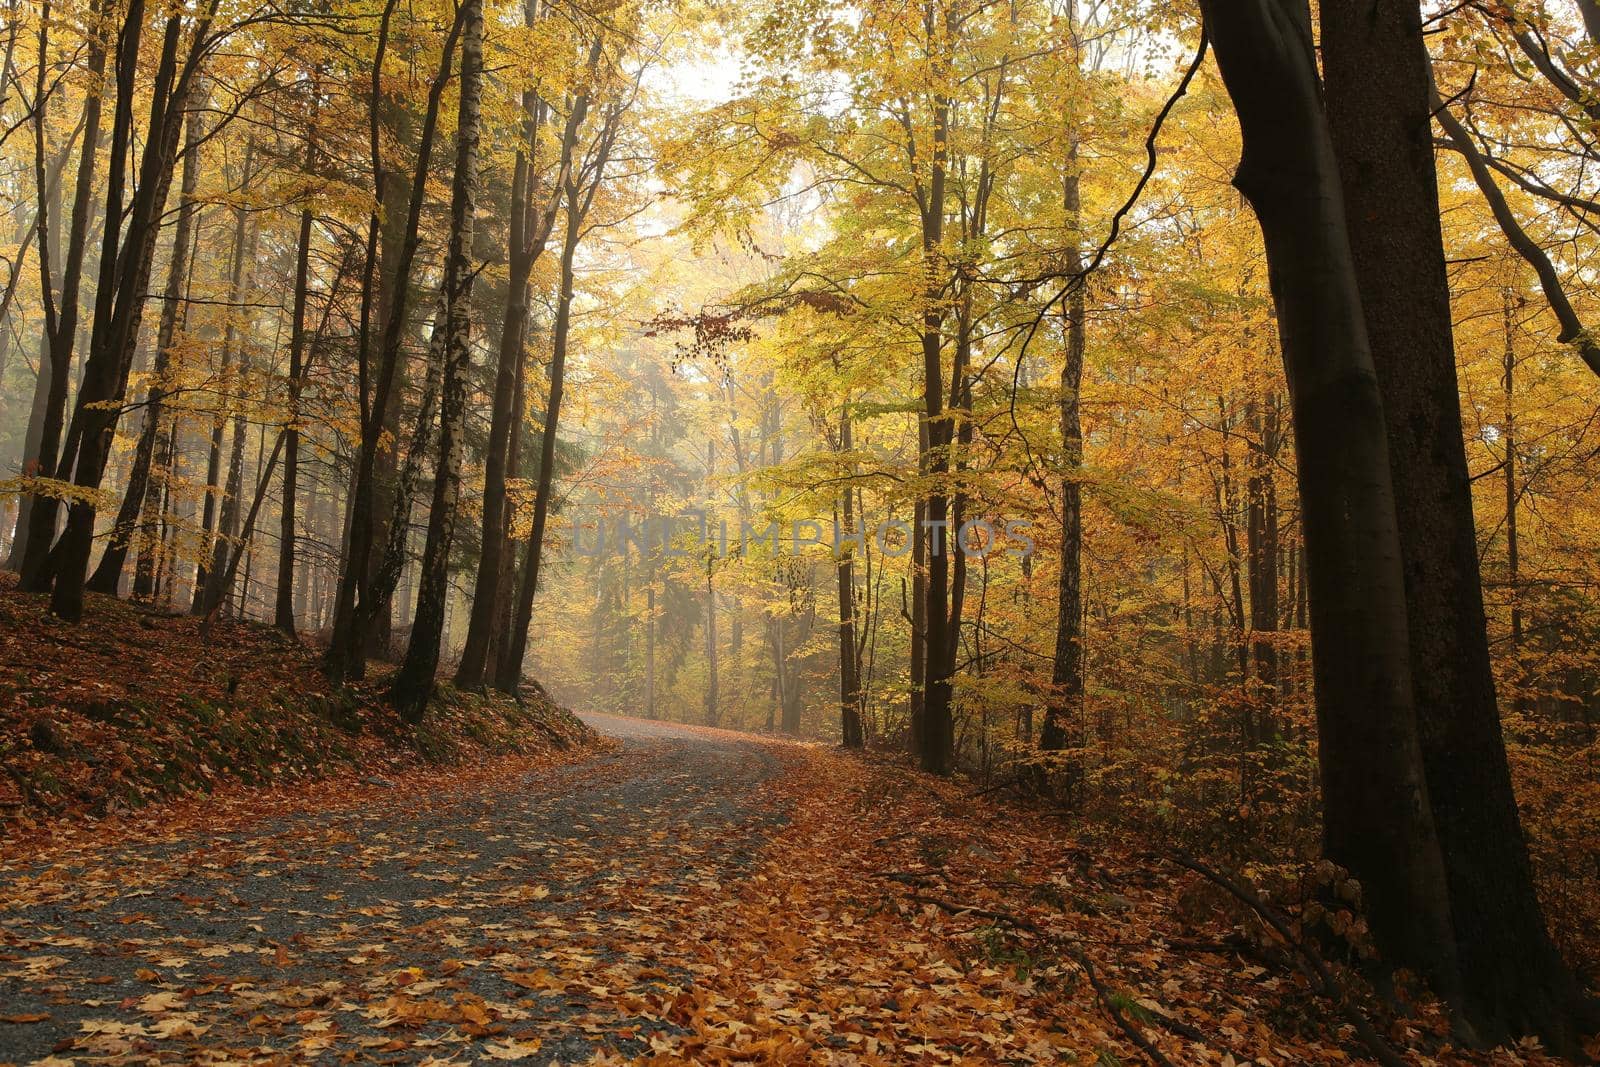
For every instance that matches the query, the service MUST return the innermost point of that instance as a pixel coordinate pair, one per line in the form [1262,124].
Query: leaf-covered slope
[135,706]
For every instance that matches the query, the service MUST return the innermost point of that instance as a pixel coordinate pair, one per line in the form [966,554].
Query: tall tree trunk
[211,508]
[509,672]
[302,590]
[216,589]
[347,647]
[156,552]
[713,700]
[1508,440]
[117,318]
[529,232]
[165,548]
[214,454]
[578,188]
[398,119]
[377,595]
[283,616]
[1064,724]
[650,649]
[936,738]
[1261,556]
[216,592]
[919,615]
[1377,821]
[413,683]
[142,494]
[1514,982]
[32,548]
[50,197]
[487,586]
[849,655]
[713,695]
[213,591]
[505,595]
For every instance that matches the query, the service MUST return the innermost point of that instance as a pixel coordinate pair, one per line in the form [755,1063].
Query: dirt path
[490,925]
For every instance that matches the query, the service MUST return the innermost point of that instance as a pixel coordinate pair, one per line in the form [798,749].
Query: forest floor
[694,896]
[136,706]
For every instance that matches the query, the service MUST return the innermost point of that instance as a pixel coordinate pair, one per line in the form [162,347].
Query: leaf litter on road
[699,897]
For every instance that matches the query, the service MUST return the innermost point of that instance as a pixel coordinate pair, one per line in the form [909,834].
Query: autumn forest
[838,531]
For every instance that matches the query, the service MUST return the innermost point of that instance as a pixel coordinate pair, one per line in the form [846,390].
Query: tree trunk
[346,656]
[1377,820]
[526,242]
[413,683]
[1514,982]
[213,591]
[50,244]
[577,201]
[713,688]
[849,660]
[650,651]
[936,738]
[509,673]
[32,547]
[1261,558]
[1508,440]
[283,615]
[142,495]
[1065,704]
[117,318]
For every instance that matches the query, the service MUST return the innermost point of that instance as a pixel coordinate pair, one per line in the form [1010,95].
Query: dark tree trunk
[49,238]
[1377,820]
[849,655]
[218,583]
[1261,556]
[390,563]
[936,736]
[143,493]
[485,608]
[1064,723]
[284,606]
[61,318]
[1513,980]
[577,186]
[227,564]
[413,683]
[398,118]
[117,315]
[918,620]
[529,231]
[508,675]
[347,649]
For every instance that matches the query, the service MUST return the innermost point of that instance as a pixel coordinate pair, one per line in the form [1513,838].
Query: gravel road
[519,920]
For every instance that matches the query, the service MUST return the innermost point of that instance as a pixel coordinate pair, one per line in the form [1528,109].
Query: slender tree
[36,524]
[413,684]
[534,211]
[142,491]
[283,616]
[580,182]
[119,311]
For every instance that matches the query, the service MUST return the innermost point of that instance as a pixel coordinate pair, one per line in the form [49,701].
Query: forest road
[518,920]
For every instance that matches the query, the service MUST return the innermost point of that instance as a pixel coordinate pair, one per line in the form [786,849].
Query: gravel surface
[473,926]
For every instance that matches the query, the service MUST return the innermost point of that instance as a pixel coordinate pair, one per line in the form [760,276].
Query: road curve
[516,916]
